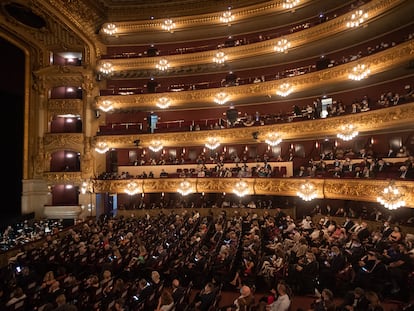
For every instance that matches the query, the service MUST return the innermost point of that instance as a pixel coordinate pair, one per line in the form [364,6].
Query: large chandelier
[357,19]
[110,29]
[220,57]
[212,143]
[347,132]
[184,188]
[284,89]
[227,17]
[101,147]
[289,4]
[273,139]
[132,188]
[168,25]
[106,68]
[106,106]
[282,46]
[241,188]
[359,72]
[307,191]
[221,98]
[163,102]
[391,197]
[155,146]
[162,65]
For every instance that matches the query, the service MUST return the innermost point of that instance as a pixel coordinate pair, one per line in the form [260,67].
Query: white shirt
[282,303]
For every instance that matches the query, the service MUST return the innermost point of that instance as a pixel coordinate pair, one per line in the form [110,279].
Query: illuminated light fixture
[106,106]
[227,17]
[106,68]
[212,143]
[132,188]
[221,98]
[357,19]
[163,102]
[168,25]
[290,4]
[110,29]
[273,139]
[102,147]
[282,46]
[284,89]
[241,188]
[307,191]
[184,188]
[391,197]
[348,132]
[162,65]
[155,146]
[87,187]
[359,72]
[220,57]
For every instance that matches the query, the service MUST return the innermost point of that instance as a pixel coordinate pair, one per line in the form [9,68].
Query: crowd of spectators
[138,263]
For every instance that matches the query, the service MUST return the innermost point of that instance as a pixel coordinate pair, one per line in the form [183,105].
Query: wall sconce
[132,188]
[284,90]
[241,188]
[168,25]
[106,68]
[101,147]
[212,143]
[273,139]
[110,29]
[347,132]
[359,72]
[106,106]
[307,191]
[221,98]
[282,46]
[155,146]
[162,65]
[163,102]
[357,19]
[220,57]
[184,188]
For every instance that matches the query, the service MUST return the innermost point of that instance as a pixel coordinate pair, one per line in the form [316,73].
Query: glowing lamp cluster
[132,188]
[357,18]
[212,143]
[273,139]
[282,46]
[106,68]
[110,29]
[359,72]
[220,57]
[155,146]
[163,103]
[162,65]
[347,132]
[284,90]
[102,147]
[241,188]
[221,98]
[290,4]
[307,191]
[168,25]
[391,197]
[227,17]
[106,106]
[184,188]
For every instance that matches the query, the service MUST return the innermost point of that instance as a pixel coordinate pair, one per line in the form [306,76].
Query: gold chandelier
[168,25]
[101,147]
[106,68]
[106,106]
[391,197]
[273,139]
[184,188]
[221,98]
[155,146]
[307,191]
[110,29]
[284,90]
[162,65]
[290,4]
[163,102]
[212,143]
[357,18]
[282,46]
[347,132]
[132,188]
[220,57]
[227,17]
[241,188]
[359,72]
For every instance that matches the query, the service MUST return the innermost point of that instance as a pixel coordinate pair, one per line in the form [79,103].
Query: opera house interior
[307,114]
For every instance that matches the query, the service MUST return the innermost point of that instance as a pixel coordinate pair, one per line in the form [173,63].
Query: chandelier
[168,25]
[359,72]
[221,98]
[163,102]
[273,139]
[289,4]
[348,132]
[110,29]
[102,147]
[227,17]
[212,143]
[162,65]
[155,146]
[184,188]
[106,68]
[307,191]
[86,187]
[284,89]
[391,197]
[357,19]
[132,188]
[220,57]
[106,106]
[282,46]
[241,188]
